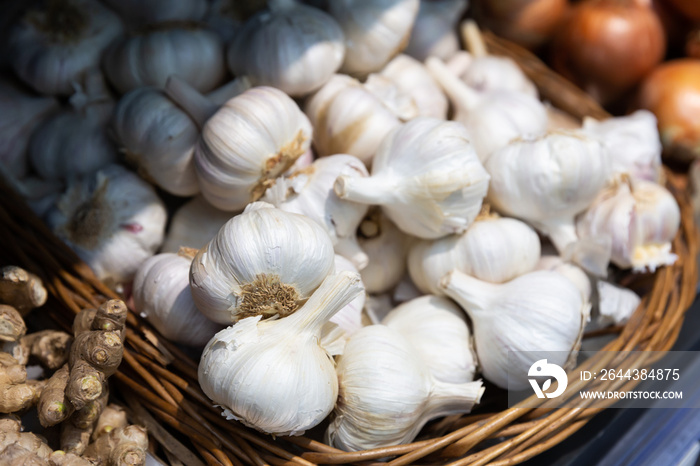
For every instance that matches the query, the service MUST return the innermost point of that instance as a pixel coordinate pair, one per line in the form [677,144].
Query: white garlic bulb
[537,314]
[458,63]
[247,143]
[492,118]
[632,143]
[139,13]
[162,295]
[615,303]
[641,218]
[365,417]
[51,48]
[386,248]
[273,375]
[348,119]
[193,225]
[310,192]
[549,180]
[22,113]
[112,219]
[427,178]
[411,78]
[577,276]
[400,103]
[290,46]
[435,30]
[194,54]
[493,249]
[374,31]
[438,329]
[263,261]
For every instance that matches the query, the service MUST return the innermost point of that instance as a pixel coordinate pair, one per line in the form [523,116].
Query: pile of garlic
[337,232]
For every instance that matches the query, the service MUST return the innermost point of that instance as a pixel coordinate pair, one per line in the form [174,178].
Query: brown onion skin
[607,46]
[689,8]
[672,93]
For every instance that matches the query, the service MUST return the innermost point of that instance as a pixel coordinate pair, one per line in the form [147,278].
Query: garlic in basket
[641,218]
[51,47]
[427,178]
[193,225]
[537,312]
[493,249]
[162,295]
[112,219]
[574,273]
[615,303]
[139,13]
[437,328]
[290,46]
[492,118]
[263,261]
[434,32]
[273,375]
[368,417]
[547,181]
[247,143]
[310,192]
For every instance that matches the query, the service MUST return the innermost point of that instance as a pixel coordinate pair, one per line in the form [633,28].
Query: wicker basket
[159,383]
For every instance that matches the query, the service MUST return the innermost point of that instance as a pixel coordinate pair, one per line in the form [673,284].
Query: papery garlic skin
[291,46]
[51,48]
[365,417]
[438,329]
[640,217]
[505,317]
[162,295]
[632,143]
[493,249]
[427,178]
[615,304]
[263,261]
[435,31]
[386,248]
[112,219]
[273,375]
[139,13]
[577,276]
[411,77]
[374,31]
[193,225]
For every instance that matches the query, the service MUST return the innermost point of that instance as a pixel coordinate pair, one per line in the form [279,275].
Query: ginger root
[17,447]
[16,393]
[61,458]
[20,289]
[12,326]
[112,417]
[124,446]
[53,405]
[48,348]
[76,432]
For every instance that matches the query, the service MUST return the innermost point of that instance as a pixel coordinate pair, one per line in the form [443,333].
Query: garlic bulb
[615,304]
[493,119]
[632,143]
[640,217]
[458,63]
[438,329]
[547,181]
[52,47]
[310,192]
[577,276]
[348,119]
[112,219]
[374,31]
[400,103]
[386,248]
[193,225]
[247,143]
[162,295]
[194,54]
[22,113]
[426,177]
[537,314]
[263,261]
[434,32]
[366,417]
[493,249]
[273,375]
[293,47]
[139,13]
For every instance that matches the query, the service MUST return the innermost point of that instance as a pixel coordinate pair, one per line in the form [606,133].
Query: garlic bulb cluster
[427,178]
[574,273]
[438,329]
[632,143]
[112,219]
[506,316]
[149,58]
[162,295]
[291,46]
[374,31]
[138,13]
[193,225]
[434,33]
[264,261]
[52,47]
[365,417]
[254,368]
[493,249]
[641,218]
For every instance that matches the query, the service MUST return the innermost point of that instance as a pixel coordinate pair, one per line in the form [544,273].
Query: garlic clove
[615,304]
[193,225]
[434,32]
